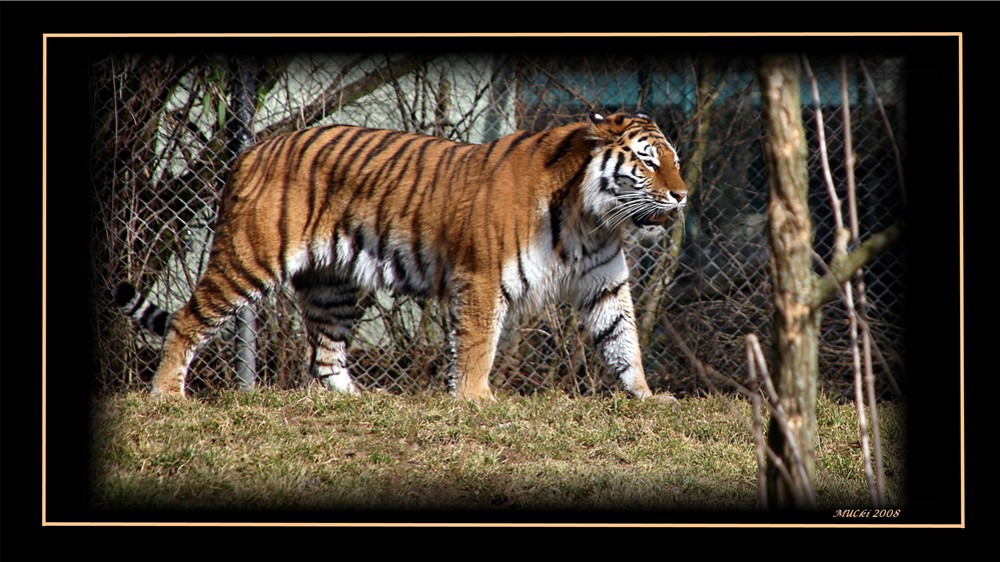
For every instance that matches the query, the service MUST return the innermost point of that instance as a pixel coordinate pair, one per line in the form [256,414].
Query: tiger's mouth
[652,219]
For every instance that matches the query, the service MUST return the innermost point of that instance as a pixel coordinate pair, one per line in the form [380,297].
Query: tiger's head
[633,174]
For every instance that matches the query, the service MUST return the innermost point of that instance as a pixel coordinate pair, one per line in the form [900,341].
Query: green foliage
[306,449]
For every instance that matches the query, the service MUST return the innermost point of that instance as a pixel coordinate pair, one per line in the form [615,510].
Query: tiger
[490,230]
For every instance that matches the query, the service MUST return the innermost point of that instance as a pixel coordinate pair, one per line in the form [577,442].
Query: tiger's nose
[678,195]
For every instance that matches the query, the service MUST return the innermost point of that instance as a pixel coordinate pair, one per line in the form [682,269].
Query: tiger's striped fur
[492,229]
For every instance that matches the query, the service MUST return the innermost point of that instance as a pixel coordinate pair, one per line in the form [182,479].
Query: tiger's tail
[144,312]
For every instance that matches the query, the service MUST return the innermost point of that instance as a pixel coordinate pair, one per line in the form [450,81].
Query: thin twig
[824,159]
[859,394]
[862,322]
[872,403]
[878,490]
[804,485]
[575,93]
[774,408]
[758,429]
[840,250]
[841,271]
[704,370]
[888,127]
[845,111]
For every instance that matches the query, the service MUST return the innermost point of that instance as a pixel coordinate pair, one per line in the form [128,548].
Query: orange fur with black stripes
[492,229]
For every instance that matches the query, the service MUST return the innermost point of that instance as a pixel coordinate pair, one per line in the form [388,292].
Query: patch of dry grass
[306,449]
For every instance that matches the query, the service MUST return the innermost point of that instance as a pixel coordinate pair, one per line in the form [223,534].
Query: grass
[305,449]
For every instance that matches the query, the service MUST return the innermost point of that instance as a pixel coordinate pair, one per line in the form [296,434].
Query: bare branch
[800,485]
[666,268]
[845,113]
[888,128]
[872,407]
[316,110]
[561,84]
[825,288]
[803,485]
[758,428]
[840,242]
[878,486]
[878,490]
[847,294]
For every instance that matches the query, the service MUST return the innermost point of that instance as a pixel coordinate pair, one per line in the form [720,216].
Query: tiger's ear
[599,128]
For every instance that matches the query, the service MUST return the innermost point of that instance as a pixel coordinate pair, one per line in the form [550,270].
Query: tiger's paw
[481,397]
[667,400]
[164,394]
[341,383]
[166,386]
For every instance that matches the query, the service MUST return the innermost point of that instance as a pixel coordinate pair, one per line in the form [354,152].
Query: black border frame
[935,418]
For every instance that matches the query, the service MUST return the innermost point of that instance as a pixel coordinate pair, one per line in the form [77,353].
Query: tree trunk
[796,320]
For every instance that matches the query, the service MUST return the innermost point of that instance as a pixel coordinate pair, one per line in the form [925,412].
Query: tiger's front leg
[611,322]
[610,319]
[478,313]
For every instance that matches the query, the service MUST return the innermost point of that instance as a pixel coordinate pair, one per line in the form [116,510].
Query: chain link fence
[167,129]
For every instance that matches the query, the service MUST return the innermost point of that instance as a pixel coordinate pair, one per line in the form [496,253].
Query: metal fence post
[244,108]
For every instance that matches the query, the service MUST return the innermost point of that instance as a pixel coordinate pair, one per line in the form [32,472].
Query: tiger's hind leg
[185,334]
[329,305]
[214,300]
[229,282]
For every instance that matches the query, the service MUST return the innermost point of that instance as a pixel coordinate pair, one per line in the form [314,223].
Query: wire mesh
[166,130]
